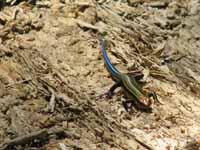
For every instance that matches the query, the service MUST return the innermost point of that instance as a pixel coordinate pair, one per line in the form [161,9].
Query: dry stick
[86,4]
[86,25]
[19,82]
[62,146]
[139,140]
[44,133]
[53,98]
[143,143]
[163,75]
[63,79]
[156,73]
[24,139]
[143,57]
[52,102]
[59,96]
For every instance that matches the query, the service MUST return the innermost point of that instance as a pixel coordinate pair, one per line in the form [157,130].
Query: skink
[129,83]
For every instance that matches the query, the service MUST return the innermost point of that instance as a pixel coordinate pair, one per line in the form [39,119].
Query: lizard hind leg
[126,106]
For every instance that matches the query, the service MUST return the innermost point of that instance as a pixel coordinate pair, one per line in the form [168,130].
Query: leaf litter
[51,72]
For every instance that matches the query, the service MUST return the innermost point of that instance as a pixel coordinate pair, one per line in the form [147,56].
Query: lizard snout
[147,102]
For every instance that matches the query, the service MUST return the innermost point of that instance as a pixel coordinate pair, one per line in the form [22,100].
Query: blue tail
[116,75]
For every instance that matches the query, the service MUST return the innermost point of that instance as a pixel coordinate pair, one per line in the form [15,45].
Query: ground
[52,72]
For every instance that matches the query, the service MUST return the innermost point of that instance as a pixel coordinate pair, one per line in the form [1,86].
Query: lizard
[129,83]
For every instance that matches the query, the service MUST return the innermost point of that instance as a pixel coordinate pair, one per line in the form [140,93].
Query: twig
[52,102]
[143,143]
[67,100]
[163,75]
[24,139]
[83,24]
[62,146]
[86,4]
[145,58]
[19,82]
[139,140]
[57,97]
[44,133]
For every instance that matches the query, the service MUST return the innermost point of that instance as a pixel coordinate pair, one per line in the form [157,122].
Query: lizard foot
[155,98]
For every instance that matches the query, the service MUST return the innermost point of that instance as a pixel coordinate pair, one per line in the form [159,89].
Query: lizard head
[146,102]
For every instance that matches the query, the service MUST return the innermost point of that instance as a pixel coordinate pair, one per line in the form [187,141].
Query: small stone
[168,124]
[2,18]
[43,4]
[182,130]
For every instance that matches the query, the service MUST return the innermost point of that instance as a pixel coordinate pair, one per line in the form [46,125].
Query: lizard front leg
[125,104]
[110,92]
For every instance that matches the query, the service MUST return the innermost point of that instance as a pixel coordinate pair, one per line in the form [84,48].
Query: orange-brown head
[146,101]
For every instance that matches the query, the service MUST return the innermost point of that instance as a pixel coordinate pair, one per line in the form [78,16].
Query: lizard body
[128,83]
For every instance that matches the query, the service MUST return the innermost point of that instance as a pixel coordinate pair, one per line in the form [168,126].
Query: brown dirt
[51,72]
